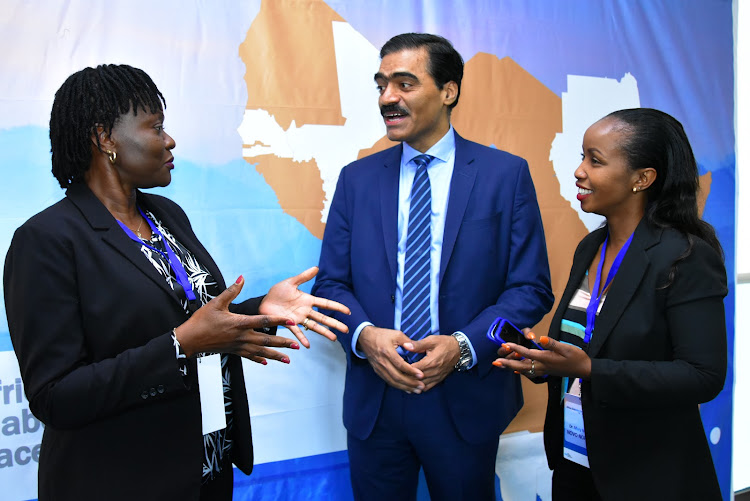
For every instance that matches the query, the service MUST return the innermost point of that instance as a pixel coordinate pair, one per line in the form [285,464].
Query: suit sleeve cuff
[355,338]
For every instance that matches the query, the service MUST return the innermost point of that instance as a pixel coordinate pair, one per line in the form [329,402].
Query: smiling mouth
[393,115]
[583,193]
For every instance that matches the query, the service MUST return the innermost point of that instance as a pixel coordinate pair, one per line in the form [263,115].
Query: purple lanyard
[596,297]
[174,263]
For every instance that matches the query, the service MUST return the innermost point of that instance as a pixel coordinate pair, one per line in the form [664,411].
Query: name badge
[212,393]
[574,441]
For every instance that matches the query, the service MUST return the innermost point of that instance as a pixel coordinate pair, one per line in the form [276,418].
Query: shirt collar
[441,150]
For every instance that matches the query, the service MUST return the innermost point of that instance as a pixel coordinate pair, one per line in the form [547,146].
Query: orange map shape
[501,104]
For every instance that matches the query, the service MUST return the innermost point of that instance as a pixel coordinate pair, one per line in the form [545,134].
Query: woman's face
[604,180]
[144,157]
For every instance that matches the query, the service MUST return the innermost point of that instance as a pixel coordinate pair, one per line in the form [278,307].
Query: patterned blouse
[573,325]
[216,444]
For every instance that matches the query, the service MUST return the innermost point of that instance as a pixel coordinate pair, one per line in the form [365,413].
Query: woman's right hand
[214,329]
[505,352]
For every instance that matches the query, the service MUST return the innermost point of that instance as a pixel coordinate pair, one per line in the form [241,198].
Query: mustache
[393,108]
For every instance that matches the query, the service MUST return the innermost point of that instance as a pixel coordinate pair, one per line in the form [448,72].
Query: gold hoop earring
[112,156]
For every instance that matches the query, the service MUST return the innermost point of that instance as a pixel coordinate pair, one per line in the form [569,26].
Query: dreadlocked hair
[91,98]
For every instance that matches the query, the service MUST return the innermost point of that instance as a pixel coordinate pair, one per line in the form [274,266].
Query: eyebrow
[398,74]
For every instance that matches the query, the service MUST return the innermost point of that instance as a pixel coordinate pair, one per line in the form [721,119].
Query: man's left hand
[441,355]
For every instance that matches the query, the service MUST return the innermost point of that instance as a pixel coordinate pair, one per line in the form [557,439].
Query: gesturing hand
[557,359]
[287,300]
[214,329]
[379,345]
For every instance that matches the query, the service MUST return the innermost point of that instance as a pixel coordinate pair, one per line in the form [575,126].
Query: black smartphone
[503,331]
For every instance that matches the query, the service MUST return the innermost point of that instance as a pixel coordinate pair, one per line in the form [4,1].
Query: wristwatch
[464,359]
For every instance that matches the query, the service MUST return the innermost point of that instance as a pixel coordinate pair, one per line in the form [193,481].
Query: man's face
[414,109]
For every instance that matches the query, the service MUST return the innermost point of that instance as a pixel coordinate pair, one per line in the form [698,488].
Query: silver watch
[464,359]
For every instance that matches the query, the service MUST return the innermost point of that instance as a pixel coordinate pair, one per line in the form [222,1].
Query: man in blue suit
[427,243]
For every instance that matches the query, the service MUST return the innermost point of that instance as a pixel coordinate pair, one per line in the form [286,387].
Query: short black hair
[445,63]
[90,98]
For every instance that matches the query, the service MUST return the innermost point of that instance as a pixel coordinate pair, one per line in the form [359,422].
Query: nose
[388,96]
[580,173]
[169,142]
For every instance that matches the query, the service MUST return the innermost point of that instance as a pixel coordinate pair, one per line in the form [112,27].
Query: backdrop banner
[269,99]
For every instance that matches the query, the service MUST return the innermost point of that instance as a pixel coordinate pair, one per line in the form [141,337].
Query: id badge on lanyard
[211,389]
[210,382]
[574,435]
[574,432]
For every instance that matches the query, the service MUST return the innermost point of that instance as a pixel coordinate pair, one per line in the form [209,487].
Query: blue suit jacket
[494,263]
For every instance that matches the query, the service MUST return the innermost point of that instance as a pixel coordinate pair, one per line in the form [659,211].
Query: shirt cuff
[355,338]
[471,347]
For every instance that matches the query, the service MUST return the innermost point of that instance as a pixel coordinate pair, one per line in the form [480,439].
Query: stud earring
[113,156]
[635,188]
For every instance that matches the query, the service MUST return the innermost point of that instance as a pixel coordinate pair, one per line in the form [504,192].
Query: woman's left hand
[557,359]
[286,300]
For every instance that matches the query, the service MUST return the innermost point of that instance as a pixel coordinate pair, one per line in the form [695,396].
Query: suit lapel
[389,205]
[632,270]
[104,224]
[462,182]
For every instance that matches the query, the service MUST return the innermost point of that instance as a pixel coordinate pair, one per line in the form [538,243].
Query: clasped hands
[557,359]
[214,329]
[379,345]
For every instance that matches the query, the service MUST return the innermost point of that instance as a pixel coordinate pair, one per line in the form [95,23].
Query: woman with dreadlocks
[121,321]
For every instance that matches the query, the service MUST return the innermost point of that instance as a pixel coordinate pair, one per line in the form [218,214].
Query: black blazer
[655,355]
[90,320]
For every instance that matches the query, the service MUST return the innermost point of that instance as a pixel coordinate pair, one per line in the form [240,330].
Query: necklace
[138,230]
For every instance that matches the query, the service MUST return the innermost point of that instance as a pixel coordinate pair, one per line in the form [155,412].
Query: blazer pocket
[485,222]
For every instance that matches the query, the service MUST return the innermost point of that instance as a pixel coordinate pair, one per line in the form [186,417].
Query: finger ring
[531,372]
[304,324]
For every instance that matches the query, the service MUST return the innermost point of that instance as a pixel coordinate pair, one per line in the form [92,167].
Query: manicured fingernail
[294,346]
[516,372]
[264,362]
[531,335]
[285,360]
[505,345]
[290,322]
[497,363]
[239,279]
[417,391]
[544,340]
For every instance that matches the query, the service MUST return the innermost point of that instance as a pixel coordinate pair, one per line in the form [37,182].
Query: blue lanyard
[596,296]
[174,263]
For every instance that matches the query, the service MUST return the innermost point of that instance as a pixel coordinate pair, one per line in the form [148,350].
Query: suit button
[160,388]
[153,392]
[144,395]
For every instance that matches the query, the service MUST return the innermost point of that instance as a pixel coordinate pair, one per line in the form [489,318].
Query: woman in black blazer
[112,303]
[625,383]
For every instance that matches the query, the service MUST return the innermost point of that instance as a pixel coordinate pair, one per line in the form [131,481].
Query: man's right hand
[379,345]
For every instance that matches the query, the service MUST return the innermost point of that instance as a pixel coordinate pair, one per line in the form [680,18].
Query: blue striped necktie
[415,310]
